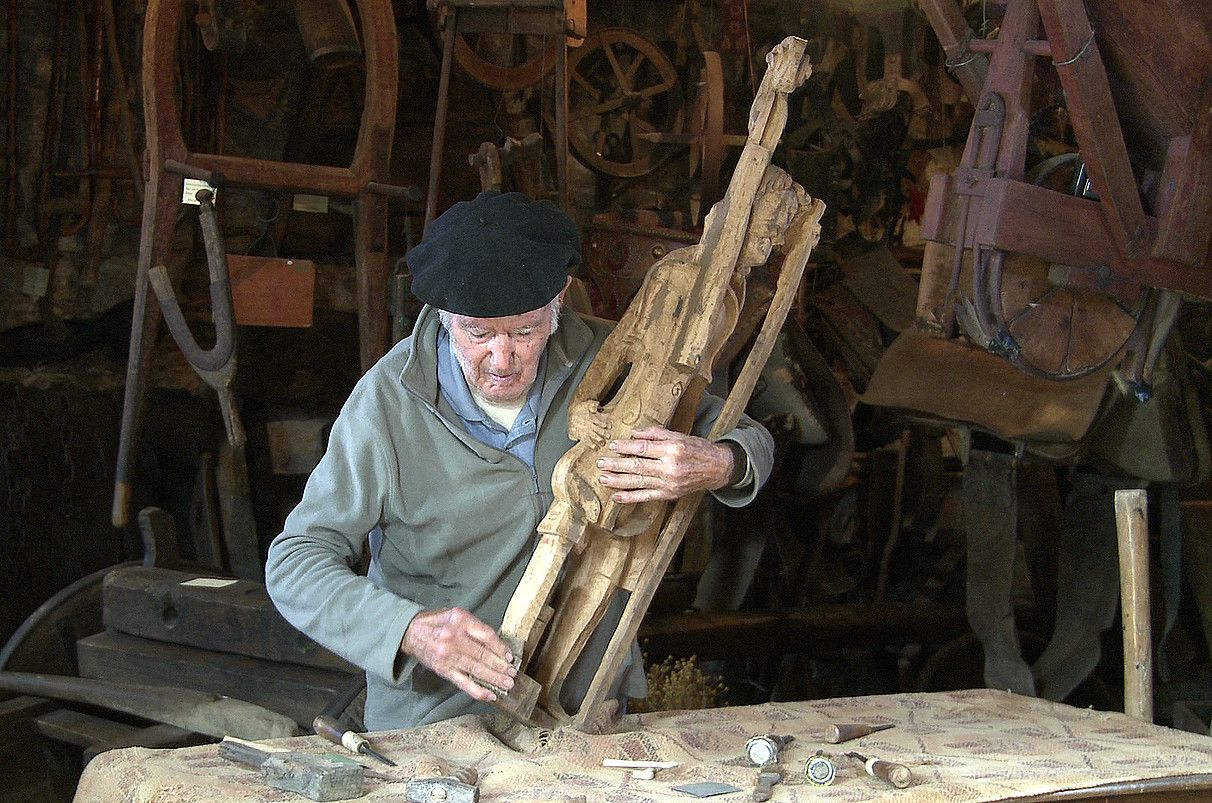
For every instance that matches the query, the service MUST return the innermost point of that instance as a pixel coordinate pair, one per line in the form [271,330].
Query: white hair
[554,306]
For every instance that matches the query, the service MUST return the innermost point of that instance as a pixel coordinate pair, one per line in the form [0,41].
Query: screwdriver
[327,727]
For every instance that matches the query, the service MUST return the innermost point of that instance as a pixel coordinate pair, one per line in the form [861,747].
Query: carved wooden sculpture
[660,359]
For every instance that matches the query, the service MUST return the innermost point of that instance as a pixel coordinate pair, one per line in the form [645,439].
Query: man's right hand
[462,649]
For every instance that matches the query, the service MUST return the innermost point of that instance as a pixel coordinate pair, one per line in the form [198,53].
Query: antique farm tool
[662,352]
[764,789]
[365,180]
[819,769]
[216,365]
[622,86]
[1132,535]
[1061,283]
[545,18]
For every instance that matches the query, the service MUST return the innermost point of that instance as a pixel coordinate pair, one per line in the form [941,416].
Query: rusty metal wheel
[508,62]
[621,86]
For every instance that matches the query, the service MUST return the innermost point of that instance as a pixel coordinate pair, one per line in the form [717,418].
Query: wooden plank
[954,34]
[814,630]
[82,730]
[192,609]
[272,292]
[1095,121]
[299,692]
[16,713]
[1055,227]
[160,737]
[1132,530]
[1185,229]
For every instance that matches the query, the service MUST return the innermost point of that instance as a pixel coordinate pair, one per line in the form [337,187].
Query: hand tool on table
[844,732]
[327,727]
[896,774]
[819,769]
[317,777]
[763,750]
[459,789]
[765,785]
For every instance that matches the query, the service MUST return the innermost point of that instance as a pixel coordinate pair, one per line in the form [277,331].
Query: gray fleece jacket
[458,518]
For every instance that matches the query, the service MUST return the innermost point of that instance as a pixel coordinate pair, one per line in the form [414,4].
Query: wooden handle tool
[896,774]
[844,732]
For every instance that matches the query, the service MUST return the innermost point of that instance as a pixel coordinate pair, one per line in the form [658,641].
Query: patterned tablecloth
[961,746]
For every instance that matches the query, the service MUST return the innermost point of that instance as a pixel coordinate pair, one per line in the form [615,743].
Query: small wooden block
[518,702]
[316,777]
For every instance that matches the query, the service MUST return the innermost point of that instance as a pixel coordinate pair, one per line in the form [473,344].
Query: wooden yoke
[660,359]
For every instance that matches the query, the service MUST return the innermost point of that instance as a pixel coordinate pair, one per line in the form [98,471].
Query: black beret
[496,255]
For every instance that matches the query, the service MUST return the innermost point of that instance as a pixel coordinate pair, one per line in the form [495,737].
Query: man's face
[500,356]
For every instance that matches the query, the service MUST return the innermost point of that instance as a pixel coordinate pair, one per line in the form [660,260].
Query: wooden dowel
[1132,530]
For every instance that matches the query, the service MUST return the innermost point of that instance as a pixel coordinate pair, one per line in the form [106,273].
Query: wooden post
[1132,530]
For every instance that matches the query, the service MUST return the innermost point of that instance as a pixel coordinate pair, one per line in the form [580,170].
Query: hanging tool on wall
[363,180]
[217,365]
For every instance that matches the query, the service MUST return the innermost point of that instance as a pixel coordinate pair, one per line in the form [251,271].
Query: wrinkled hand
[656,463]
[462,649]
[586,422]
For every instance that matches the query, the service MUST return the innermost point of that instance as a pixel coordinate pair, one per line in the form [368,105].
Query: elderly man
[443,453]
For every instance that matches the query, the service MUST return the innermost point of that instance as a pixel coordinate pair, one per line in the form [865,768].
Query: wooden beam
[215,614]
[298,692]
[1053,226]
[1132,530]
[970,68]
[801,630]
[82,730]
[1184,232]
[1095,121]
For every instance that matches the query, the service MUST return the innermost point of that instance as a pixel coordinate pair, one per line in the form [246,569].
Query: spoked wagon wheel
[621,86]
[508,62]
[1051,320]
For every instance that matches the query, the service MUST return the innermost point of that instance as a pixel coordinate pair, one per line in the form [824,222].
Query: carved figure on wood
[651,372]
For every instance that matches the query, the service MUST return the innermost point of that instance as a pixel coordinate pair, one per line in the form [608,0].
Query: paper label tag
[189,193]
[209,582]
[310,203]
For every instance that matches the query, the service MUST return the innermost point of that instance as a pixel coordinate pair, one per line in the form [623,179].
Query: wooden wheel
[1052,320]
[1060,331]
[507,62]
[621,86]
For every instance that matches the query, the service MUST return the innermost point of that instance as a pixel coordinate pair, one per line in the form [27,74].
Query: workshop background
[847,577]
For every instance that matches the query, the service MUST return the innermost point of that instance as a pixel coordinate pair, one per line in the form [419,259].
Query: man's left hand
[656,463]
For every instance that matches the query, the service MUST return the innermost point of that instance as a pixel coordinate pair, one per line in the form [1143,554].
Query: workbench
[969,745]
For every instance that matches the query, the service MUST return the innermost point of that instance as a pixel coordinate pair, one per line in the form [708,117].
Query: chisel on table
[896,774]
[327,727]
